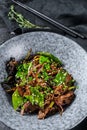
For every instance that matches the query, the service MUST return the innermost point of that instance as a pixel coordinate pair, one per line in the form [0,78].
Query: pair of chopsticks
[51,21]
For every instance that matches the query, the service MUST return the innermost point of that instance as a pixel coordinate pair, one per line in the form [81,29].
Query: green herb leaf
[47,54]
[24,23]
[72,87]
[37,97]
[21,20]
[47,66]
[44,59]
[45,75]
[22,72]
[60,77]
[17,100]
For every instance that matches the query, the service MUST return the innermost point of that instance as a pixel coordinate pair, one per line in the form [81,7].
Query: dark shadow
[8,95]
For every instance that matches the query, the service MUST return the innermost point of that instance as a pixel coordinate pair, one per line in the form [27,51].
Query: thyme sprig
[19,18]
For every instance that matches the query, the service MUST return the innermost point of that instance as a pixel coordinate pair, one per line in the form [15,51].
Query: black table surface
[5,34]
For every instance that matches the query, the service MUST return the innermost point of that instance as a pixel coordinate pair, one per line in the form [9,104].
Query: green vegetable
[22,72]
[50,56]
[47,91]
[17,100]
[45,75]
[44,59]
[47,66]
[30,78]
[60,77]
[24,23]
[37,97]
[51,104]
[72,87]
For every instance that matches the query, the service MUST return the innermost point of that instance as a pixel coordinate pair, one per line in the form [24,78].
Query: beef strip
[28,108]
[11,66]
[24,90]
[65,99]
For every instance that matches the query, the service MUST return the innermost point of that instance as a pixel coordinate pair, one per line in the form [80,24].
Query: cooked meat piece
[23,90]
[36,60]
[59,90]
[50,109]
[53,66]
[47,107]
[33,74]
[64,99]
[11,66]
[68,80]
[11,90]
[41,114]
[41,82]
[48,99]
[28,108]
[38,66]
[32,82]
[52,73]
[35,70]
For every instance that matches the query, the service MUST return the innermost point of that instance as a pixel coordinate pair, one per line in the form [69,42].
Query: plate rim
[42,31]
[7,42]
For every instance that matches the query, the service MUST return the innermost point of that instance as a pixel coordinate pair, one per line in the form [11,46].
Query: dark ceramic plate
[75,60]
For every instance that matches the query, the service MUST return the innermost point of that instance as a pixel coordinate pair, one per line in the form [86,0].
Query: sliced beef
[11,66]
[29,108]
[69,80]
[23,90]
[65,99]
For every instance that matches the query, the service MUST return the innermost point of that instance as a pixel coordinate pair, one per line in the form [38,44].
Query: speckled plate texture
[75,60]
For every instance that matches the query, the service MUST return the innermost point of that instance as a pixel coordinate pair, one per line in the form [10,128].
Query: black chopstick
[51,21]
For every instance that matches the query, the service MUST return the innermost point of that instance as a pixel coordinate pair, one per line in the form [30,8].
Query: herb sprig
[19,18]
